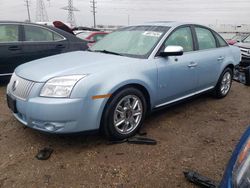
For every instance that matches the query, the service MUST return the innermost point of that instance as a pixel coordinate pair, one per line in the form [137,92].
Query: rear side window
[181,37]
[9,33]
[222,42]
[39,34]
[205,38]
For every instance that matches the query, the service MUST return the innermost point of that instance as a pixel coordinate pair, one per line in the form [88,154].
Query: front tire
[224,84]
[124,114]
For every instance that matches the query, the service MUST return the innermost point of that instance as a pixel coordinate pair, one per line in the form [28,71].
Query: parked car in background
[23,42]
[245,51]
[91,36]
[127,74]
[237,38]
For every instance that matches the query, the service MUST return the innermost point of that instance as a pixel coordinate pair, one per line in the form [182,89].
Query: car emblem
[14,86]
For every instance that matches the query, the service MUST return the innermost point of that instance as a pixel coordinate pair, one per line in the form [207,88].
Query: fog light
[49,126]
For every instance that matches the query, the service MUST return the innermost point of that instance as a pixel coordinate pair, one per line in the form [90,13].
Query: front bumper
[59,115]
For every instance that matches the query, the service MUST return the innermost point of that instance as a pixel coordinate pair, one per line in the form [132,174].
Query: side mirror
[172,51]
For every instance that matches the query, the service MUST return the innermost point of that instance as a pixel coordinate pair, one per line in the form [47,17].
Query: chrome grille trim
[22,89]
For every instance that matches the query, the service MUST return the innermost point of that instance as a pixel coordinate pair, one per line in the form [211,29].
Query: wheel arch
[231,66]
[138,86]
[141,88]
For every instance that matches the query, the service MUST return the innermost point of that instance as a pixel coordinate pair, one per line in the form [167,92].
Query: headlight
[241,173]
[60,87]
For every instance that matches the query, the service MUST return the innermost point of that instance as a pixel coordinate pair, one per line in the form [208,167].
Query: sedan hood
[80,62]
[243,45]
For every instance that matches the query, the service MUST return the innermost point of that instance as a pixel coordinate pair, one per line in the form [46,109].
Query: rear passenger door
[41,42]
[210,57]
[11,54]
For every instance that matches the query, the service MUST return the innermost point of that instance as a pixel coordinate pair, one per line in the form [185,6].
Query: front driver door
[11,54]
[177,76]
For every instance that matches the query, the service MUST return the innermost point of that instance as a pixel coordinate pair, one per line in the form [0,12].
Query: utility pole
[28,9]
[93,6]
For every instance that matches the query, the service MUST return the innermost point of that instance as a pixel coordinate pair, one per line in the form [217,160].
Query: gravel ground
[199,134]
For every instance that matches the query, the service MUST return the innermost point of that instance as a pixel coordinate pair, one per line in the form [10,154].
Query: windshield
[135,41]
[247,40]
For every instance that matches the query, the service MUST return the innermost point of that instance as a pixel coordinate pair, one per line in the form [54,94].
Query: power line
[94,7]
[27,4]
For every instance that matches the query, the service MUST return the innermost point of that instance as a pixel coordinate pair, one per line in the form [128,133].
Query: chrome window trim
[184,97]
[6,74]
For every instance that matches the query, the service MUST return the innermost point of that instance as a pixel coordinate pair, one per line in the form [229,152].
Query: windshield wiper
[106,52]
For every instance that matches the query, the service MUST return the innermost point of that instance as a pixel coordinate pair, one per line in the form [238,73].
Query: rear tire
[124,114]
[224,84]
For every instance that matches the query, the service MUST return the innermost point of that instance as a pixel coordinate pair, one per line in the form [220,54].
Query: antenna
[93,6]
[71,17]
[41,13]
[27,4]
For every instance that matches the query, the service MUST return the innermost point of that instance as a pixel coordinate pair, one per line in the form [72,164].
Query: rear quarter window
[221,41]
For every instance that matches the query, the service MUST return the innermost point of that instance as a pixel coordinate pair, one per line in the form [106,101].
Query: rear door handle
[60,46]
[221,58]
[192,64]
[14,48]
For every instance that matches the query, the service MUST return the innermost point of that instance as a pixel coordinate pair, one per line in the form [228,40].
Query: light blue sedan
[131,72]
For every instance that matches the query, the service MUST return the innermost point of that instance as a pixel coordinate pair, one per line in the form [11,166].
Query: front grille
[20,87]
[245,52]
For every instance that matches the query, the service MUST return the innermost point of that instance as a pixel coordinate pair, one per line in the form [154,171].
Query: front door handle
[14,48]
[192,64]
[221,58]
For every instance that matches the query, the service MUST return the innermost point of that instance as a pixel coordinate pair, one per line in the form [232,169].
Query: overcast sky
[116,12]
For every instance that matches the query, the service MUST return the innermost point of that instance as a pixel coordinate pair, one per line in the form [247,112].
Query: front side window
[9,33]
[39,34]
[181,37]
[135,41]
[205,38]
